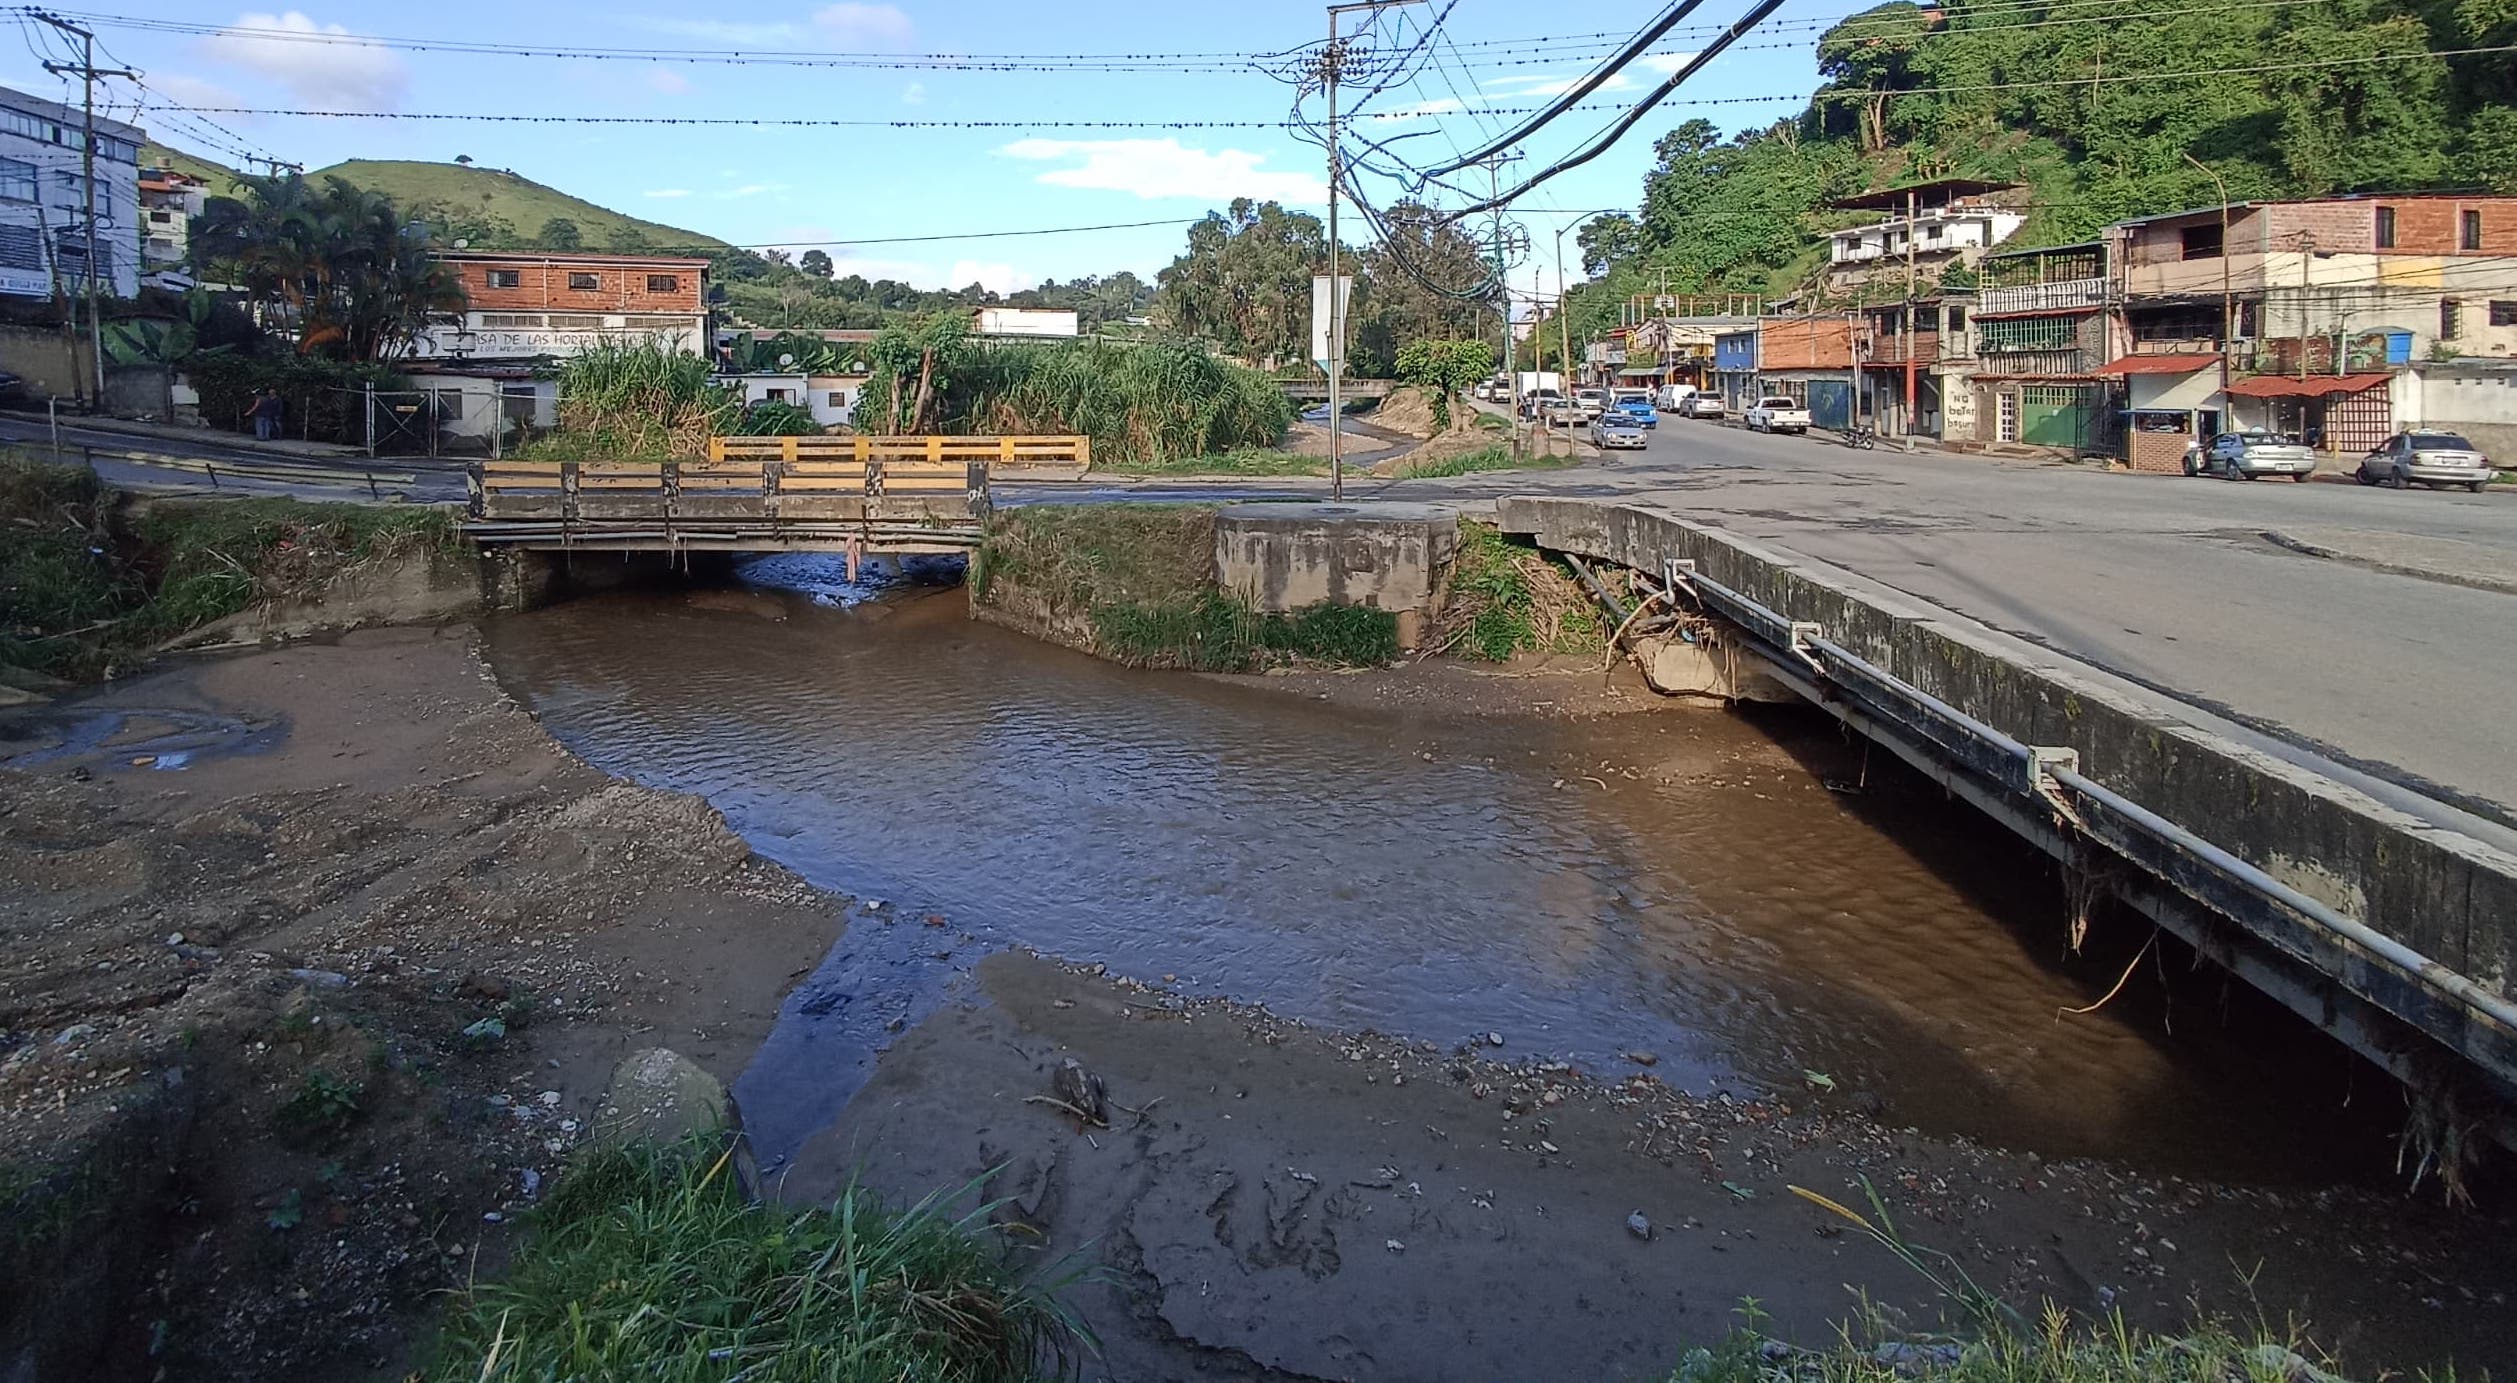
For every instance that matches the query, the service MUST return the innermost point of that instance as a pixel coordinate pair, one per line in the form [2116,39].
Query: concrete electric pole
[1331,60]
[88,72]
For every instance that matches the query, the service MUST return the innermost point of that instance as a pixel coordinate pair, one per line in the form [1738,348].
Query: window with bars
[584,283]
[512,321]
[1997,334]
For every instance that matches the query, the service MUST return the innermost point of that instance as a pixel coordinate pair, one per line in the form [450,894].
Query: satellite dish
[786,362]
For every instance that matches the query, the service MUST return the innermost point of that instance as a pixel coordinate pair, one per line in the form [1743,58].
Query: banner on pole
[1321,316]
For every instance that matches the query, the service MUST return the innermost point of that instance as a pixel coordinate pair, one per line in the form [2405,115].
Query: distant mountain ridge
[489,207]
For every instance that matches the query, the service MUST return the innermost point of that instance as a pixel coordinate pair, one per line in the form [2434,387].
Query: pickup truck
[1775,413]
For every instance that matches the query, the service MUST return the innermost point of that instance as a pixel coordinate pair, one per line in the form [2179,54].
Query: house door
[2054,415]
[1831,403]
[2006,417]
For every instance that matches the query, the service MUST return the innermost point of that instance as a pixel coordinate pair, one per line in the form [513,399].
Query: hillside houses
[2338,319]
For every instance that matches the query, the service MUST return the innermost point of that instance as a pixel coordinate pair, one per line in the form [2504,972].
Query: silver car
[1616,432]
[2426,458]
[2252,453]
[1700,406]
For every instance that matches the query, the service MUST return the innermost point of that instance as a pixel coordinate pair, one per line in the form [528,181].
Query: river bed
[1745,899]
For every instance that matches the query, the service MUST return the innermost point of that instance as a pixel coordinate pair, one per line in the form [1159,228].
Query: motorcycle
[1861,436]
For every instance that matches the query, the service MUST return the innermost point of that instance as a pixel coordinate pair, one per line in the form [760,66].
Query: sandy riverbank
[371,849]
[241,986]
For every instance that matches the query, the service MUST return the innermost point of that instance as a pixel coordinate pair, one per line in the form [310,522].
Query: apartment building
[169,202]
[2042,337]
[1928,227]
[44,199]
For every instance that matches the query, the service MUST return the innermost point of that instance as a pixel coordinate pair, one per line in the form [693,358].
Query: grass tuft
[1506,599]
[651,1264]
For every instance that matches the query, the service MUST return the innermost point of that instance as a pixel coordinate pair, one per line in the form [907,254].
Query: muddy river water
[1745,898]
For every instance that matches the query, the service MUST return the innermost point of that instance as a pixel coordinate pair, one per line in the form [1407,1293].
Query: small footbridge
[855,495]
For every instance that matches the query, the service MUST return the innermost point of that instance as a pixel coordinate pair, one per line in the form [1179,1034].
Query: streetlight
[2228,308]
[1564,329]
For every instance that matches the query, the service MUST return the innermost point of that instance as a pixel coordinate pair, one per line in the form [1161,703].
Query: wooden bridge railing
[1007,458]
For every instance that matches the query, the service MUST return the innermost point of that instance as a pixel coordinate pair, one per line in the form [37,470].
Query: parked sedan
[1614,431]
[2426,458]
[1700,406]
[2246,455]
[1563,413]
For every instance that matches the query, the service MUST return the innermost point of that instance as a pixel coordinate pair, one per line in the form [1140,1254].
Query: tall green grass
[641,401]
[652,1265]
[1143,404]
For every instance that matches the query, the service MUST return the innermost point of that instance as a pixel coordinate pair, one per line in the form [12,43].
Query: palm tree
[336,265]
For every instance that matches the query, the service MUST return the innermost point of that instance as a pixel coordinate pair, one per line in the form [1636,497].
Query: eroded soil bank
[254,905]
[250,908]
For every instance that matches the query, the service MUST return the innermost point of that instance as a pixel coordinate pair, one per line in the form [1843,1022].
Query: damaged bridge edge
[2392,933]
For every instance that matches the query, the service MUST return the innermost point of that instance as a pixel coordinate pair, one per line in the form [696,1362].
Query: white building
[1937,224]
[43,199]
[168,203]
[1025,321]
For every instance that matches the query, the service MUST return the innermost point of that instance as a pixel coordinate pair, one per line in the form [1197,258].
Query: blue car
[1640,412]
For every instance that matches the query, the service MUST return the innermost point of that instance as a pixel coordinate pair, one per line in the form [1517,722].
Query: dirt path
[237,1091]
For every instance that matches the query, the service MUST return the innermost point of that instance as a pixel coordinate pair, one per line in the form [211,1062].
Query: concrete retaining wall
[2448,895]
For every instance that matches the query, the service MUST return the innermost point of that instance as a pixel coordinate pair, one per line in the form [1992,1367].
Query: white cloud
[753,189]
[668,81]
[192,91]
[733,33]
[874,24]
[913,94]
[996,278]
[1665,64]
[1152,168]
[320,64]
[668,192]
[1531,84]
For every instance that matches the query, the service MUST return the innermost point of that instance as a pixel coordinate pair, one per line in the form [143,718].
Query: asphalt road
[2402,680]
[314,476]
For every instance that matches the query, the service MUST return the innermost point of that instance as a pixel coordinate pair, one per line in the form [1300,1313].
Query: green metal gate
[2058,415]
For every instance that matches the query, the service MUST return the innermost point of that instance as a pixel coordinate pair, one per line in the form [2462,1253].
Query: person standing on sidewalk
[266,413]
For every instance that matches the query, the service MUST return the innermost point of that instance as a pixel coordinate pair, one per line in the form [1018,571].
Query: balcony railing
[2043,297]
[2040,363]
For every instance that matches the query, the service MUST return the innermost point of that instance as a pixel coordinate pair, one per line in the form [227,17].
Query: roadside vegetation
[654,1264]
[1508,600]
[92,579]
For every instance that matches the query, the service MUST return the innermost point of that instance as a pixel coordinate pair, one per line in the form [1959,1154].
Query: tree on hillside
[336,262]
[816,262]
[1245,282]
[560,233]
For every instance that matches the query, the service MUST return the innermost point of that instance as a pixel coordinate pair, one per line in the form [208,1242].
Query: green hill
[493,208]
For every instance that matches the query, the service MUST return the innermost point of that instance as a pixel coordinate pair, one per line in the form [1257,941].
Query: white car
[1776,413]
[1594,402]
[2426,458]
[2249,454]
[1700,406]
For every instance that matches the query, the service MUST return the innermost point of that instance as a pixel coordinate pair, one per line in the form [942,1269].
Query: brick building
[2302,316]
[2042,335]
[485,373]
[1809,359]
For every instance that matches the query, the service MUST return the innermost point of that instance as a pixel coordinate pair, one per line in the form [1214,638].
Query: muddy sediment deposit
[1413,994]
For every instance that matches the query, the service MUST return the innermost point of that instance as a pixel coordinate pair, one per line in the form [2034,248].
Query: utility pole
[1511,377]
[88,72]
[2228,294]
[1331,60]
[1905,324]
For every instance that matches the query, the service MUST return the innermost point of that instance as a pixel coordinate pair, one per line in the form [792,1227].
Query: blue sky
[795,186]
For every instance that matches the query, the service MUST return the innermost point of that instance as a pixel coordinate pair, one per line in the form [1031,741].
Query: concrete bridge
[2395,931]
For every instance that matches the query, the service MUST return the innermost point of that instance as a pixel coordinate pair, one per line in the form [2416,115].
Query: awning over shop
[2158,364]
[2314,386]
[1639,372]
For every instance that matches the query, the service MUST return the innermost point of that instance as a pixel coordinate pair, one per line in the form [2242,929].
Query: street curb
[166,432]
[2496,585]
